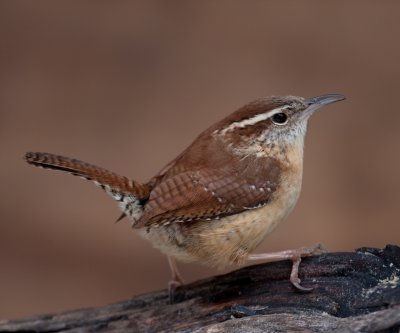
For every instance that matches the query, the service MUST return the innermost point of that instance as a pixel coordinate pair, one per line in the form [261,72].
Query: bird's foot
[295,256]
[176,281]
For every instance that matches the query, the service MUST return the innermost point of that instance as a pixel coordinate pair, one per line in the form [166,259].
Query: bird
[218,200]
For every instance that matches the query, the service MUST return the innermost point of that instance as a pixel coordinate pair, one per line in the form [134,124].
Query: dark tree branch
[353,292]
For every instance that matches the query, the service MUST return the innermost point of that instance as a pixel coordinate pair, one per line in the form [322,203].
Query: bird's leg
[293,255]
[177,279]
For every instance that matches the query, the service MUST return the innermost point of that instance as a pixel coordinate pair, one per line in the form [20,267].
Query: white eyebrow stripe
[253,120]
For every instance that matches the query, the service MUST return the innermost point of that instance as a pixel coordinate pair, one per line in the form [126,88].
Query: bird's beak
[317,102]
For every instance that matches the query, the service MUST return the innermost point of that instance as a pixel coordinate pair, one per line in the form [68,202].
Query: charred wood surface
[353,292]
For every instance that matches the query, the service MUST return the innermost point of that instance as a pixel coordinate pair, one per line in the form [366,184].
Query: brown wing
[211,193]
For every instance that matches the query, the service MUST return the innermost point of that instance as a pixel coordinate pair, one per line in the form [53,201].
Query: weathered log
[353,292]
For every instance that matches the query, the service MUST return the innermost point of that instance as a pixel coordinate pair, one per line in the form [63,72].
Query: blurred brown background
[128,84]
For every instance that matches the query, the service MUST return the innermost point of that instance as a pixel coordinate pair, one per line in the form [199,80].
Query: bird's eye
[280,118]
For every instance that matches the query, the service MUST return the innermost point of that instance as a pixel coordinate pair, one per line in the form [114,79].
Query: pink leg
[177,279]
[293,255]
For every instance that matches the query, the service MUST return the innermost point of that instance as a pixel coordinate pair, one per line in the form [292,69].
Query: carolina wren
[220,197]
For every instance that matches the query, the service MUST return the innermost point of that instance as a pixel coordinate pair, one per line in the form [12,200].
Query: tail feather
[129,194]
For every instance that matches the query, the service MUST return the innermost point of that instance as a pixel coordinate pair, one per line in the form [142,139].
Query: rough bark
[353,292]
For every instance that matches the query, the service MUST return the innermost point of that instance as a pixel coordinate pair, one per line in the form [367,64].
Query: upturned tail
[129,194]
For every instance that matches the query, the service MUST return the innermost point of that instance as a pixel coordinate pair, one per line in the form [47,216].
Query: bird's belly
[224,241]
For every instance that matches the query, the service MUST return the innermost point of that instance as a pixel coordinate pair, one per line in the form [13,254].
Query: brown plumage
[88,171]
[219,198]
[212,189]
[129,194]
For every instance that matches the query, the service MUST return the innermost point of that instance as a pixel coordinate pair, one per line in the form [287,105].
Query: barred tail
[129,194]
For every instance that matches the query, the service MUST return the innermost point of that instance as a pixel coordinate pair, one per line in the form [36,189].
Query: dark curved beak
[317,102]
[324,99]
